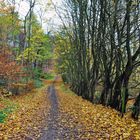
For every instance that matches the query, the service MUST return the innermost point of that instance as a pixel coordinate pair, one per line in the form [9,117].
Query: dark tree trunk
[121,94]
[136,108]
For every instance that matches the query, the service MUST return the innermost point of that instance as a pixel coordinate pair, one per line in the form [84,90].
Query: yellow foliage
[98,122]
[27,121]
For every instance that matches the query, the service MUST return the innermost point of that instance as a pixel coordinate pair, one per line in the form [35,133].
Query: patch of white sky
[50,19]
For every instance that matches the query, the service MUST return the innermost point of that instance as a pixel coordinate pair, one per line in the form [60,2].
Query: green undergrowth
[39,74]
[38,83]
[49,76]
[7,110]
[66,89]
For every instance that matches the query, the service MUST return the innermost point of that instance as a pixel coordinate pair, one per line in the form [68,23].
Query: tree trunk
[121,94]
[136,108]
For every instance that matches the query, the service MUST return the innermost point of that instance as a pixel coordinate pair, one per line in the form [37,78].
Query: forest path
[72,118]
[55,130]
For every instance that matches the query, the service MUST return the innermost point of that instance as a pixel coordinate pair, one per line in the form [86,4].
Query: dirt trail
[54,129]
[72,118]
[51,131]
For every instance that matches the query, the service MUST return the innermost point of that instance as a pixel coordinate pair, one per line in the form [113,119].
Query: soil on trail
[50,132]
[55,129]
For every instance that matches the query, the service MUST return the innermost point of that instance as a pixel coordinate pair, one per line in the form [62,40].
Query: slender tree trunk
[136,108]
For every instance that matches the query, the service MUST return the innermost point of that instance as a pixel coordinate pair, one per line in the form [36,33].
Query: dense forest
[24,48]
[74,77]
[100,51]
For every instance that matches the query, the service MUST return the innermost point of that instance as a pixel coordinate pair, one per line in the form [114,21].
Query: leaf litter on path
[95,121]
[67,117]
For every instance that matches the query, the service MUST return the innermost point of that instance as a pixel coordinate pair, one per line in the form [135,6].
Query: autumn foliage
[11,74]
[9,69]
[93,122]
